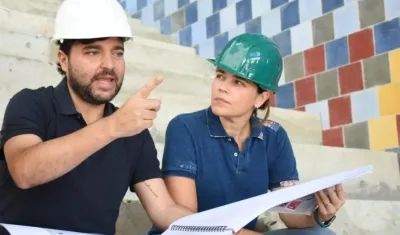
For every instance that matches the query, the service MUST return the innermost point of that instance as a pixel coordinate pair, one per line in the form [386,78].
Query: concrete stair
[27,59]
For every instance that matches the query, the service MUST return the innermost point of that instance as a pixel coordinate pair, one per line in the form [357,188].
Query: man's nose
[107,61]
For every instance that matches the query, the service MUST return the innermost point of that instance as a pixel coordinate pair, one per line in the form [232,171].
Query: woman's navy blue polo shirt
[198,147]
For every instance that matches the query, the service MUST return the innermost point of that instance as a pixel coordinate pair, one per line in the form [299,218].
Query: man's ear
[63,60]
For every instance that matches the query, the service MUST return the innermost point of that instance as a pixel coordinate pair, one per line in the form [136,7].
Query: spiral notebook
[231,218]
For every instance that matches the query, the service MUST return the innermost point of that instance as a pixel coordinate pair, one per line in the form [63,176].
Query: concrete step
[158,54]
[302,127]
[39,24]
[31,5]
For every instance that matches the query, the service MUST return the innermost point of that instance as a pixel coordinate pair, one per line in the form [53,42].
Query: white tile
[170,6]
[322,109]
[204,9]
[228,18]
[392,9]
[309,9]
[346,20]
[361,112]
[271,22]
[206,49]
[199,32]
[148,15]
[236,31]
[302,37]
[260,7]
[282,80]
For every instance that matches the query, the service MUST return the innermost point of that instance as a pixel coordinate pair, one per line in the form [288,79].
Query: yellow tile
[394,60]
[389,99]
[383,133]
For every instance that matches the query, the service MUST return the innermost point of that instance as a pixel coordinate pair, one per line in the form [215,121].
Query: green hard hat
[254,57]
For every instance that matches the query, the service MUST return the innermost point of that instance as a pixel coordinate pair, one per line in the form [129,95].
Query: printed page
[25,230]
[237,215]
[304,205]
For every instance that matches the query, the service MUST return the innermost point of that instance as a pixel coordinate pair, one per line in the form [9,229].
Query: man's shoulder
[29,95]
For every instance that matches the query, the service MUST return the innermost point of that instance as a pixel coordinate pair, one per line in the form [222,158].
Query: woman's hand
[329,202]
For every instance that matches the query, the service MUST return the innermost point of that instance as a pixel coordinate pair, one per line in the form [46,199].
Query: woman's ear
[262,98]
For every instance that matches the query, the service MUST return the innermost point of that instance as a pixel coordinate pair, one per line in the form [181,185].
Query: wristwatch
[324,224]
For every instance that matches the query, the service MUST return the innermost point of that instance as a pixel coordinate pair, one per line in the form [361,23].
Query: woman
[224,153]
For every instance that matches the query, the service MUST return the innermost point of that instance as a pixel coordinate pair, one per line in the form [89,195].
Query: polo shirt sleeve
[283,171]
[24,114]
[179,153]
[147,166]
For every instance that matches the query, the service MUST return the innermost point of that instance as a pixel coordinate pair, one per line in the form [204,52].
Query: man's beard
[86,92]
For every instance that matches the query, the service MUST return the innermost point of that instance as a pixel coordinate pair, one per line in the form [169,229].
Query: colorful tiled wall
[340,56]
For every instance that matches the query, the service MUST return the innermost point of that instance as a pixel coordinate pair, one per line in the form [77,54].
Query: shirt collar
[65,106]
[216,130]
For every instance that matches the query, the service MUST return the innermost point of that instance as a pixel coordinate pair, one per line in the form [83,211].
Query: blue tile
[387,36]
[243,11]
[191,13]
[337,53]
[137,15]
[277,3]
[330,5]
[185,36]
[284,42]
[253,26]
[290,15]
[218,5]
[158,10]
[141,4]
[213,25]
[181,3]
[165,25]
[219,42]
[285,96]
[122,3]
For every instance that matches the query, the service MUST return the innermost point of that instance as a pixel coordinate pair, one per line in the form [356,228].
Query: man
[67,154]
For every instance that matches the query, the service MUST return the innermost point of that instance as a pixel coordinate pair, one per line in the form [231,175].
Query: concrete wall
[341,57]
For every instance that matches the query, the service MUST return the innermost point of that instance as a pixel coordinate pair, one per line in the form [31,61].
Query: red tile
[333,137]
[398,128]
[305,91]
[314,60]
[302,108]
[350,78]
[340,111]
[272,100]
[361,45]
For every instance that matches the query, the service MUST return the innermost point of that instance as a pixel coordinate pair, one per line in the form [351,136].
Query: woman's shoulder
[190,118]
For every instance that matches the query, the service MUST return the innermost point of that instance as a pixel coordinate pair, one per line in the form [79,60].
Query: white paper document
[28,230]
[234,216]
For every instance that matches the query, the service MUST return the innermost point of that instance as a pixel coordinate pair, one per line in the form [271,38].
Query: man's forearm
[51,159]
[298,221]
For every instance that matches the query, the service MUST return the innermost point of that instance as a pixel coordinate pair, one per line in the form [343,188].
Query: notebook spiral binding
[200,228]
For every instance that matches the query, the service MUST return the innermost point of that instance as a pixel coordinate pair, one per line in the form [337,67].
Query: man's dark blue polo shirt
[198,147]
[86,199]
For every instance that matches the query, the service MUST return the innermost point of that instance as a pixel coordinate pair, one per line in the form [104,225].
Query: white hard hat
[88,19]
